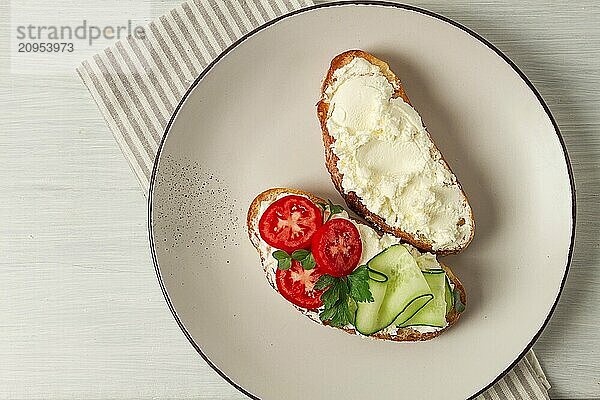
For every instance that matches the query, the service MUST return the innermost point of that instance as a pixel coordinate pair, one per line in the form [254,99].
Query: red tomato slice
[297,286]
[337,247]
[290,222]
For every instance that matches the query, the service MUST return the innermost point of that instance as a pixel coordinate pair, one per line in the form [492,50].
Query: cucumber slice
[398,297]
[448,296]
[434,312]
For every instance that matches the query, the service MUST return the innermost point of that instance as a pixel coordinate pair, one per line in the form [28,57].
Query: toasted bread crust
[404,334]
[331,160]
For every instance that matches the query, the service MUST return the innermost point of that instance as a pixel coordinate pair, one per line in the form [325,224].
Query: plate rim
[380,3]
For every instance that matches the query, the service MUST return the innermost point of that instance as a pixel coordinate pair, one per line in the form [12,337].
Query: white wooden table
[81,313]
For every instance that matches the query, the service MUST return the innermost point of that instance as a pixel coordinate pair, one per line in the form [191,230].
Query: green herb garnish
[284,260]
[341,291]
[358,281]
[332,208]
[305,258]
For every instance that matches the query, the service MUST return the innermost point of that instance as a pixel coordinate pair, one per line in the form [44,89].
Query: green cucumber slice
[398,297]
[434,312]
[448,296]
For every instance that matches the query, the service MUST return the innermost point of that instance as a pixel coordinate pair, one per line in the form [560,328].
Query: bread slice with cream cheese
[269,264]
[383,161]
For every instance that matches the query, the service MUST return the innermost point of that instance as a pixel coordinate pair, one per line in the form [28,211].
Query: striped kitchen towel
[138,83]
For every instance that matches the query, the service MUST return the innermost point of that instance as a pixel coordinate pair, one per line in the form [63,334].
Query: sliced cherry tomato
[337,247]
[297,285]
[290,222]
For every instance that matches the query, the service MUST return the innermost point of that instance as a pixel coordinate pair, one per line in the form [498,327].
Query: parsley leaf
[284,260]
[340,293]
[285,263]
[280,254]
[334,208]
[300,254]
[341,314]
[358,281]
[309,262]
[335,300]
[330,297]
[305,258]
[324,281]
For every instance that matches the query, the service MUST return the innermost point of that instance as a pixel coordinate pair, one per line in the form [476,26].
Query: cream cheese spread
[388,159]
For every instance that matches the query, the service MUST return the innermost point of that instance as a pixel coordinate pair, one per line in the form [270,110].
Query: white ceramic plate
[249,123]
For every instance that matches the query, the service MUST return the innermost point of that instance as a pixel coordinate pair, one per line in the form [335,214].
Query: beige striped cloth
[138,83]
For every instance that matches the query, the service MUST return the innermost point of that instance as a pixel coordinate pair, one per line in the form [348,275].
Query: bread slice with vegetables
[383,161]
[340,272]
